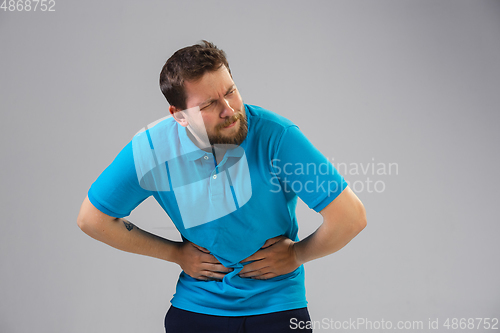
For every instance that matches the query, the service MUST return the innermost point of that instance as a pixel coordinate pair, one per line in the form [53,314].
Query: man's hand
[276,257]
[198,263]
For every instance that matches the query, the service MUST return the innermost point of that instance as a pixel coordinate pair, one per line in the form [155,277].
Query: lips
[235,119]
[232,124]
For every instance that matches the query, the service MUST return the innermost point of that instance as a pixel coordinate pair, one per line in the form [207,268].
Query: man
[228,175]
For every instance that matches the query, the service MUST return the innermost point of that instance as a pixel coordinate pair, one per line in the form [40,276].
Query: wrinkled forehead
[212,85]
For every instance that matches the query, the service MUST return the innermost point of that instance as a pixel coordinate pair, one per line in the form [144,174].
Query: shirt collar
[191,152]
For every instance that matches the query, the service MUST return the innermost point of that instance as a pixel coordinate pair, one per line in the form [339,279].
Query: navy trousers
[182,321]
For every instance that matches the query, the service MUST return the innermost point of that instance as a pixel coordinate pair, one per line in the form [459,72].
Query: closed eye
[206,106]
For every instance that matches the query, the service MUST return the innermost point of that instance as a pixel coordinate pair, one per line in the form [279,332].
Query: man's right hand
[198,263]
[119,233]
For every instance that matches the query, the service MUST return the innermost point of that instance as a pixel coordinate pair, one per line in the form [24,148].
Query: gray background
[409,82]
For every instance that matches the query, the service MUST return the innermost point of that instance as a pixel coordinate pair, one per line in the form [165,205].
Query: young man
[228,175]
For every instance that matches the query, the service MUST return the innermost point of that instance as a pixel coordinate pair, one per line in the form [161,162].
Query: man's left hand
[276,257]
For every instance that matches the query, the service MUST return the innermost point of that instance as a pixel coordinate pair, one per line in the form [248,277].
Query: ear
[179,115]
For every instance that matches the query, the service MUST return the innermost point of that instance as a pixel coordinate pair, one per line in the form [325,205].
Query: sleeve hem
[103,209]
[326,201]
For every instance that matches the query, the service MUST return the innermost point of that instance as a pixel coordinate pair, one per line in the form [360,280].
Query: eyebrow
[210,100]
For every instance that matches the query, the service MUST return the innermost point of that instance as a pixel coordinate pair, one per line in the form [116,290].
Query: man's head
[198,76]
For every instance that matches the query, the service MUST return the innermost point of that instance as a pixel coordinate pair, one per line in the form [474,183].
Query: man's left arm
[343,219]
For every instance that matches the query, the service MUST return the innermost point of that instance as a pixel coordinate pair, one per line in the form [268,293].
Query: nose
[227,110]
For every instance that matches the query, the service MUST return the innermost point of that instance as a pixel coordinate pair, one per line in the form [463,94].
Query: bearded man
[224,173]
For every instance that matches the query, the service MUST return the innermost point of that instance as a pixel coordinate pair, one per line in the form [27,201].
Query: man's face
[221,106]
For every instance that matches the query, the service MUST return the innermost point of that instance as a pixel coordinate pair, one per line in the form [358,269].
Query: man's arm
[343,219]
[123,235]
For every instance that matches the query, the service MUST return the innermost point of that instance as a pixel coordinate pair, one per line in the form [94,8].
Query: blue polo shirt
[230,208]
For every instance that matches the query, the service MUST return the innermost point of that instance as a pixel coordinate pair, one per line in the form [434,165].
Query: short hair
[189,63]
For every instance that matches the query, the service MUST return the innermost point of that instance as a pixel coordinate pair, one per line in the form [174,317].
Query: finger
[209,259]
[259,255]
[251,258]
[250,274]
[264,276]
[272,241]
[202,278]
[258,274]
[254,270]
[213,275]
[219,268]
[248,268]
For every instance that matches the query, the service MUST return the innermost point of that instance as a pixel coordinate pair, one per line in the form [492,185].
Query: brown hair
[189,63]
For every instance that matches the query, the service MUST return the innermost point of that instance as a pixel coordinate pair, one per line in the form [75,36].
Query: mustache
[230,120]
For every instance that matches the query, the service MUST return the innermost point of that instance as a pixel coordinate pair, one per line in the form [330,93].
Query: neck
[202,143]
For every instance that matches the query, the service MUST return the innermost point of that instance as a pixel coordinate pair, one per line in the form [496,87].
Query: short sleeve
[304,170]
[117,192]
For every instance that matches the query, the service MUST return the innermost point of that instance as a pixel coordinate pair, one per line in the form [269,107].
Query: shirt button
[206,157]
[215,176]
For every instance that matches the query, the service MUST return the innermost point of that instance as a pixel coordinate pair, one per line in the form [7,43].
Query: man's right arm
[123,235]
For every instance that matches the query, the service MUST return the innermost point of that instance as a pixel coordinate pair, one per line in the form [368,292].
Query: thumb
[202,249]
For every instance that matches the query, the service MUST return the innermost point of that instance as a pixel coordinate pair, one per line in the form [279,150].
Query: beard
[235,139]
